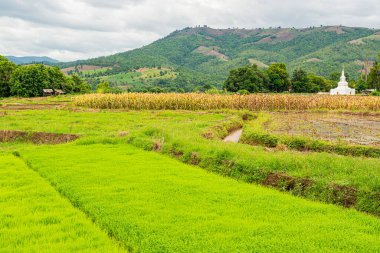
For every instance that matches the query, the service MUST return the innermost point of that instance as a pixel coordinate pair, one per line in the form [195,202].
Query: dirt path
[234,136]
[31,106]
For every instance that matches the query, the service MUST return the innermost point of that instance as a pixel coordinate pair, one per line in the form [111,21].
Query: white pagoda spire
[343,81]
[342,88]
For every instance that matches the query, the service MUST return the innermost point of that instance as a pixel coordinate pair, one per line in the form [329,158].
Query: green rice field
[164,181]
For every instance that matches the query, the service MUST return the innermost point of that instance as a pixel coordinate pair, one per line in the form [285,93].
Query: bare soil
[211,52]
[335,29]
[36,137]
[31,106]
[357,129]
[338,194]
[313,60]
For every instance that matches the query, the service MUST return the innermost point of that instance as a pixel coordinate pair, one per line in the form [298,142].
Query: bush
[243,92]
[103,87]
[266,140]
[296,143]
[213,91]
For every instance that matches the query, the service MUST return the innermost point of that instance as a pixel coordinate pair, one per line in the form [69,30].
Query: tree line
[30,80]
[252,79]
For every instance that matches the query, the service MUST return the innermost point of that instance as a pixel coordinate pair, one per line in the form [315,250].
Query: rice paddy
[164,181]
[151,203]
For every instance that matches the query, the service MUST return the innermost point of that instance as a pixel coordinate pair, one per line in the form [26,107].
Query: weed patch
[36,137]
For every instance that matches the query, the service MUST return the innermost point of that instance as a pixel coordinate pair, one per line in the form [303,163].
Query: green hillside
[204,55]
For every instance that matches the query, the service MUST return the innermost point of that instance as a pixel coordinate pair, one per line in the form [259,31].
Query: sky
[80,29]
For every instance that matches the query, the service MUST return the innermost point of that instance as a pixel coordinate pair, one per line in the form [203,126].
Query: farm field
[360,129]
[253,102]
[163,131]
[140,76]
[152,203]
[85,69]
[163,180]
[124,78]
[35,218]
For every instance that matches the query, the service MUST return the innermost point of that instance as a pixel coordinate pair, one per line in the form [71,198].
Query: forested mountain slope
[205,55]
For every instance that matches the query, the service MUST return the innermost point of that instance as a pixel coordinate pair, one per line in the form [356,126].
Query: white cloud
[77,29]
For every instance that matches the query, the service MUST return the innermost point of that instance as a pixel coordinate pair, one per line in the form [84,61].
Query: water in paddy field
[234,136]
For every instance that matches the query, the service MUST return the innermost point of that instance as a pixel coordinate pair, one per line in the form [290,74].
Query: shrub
[243,92]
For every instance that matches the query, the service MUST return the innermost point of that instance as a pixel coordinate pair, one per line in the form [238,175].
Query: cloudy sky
[78,29]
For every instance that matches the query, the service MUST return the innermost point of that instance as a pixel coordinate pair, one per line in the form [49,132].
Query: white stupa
[342,88]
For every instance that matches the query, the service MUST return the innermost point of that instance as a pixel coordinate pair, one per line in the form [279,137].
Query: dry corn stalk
[254,102]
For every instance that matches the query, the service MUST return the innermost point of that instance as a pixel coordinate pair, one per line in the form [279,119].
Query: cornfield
[255,102]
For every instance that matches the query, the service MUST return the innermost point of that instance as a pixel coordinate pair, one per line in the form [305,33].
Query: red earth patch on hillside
[211,51]
[335,29]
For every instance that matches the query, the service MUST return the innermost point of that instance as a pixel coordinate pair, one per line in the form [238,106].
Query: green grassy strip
[344,181]
[153,203]
[180,134]
[35,218]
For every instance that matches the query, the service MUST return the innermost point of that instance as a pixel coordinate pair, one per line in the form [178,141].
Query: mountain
[205,55]
[31,59]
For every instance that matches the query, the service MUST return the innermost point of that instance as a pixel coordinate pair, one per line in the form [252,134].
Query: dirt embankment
[36,137]
[333,193]
[16,107]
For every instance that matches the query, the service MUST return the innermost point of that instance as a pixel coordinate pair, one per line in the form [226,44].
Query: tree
[374,76]
[319,83]
[278,77]
[6,70]
[300,81]
[335,76]
[68,86]
[249,78]
[29,81]
[79,86]
[103,87]
[57,79]
[361,85]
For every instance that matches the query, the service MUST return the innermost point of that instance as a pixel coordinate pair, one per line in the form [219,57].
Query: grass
[38,100]
[343,180]
[124,78]
[94,71]
[35,218]
[151,203]
[164,73]
[180,135]
[96,123]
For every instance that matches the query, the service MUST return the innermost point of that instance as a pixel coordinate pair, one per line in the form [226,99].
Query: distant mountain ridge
[31,59]
[210,53]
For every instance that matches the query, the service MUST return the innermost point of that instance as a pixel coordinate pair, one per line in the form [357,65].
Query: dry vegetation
[356,129]
[194,101]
